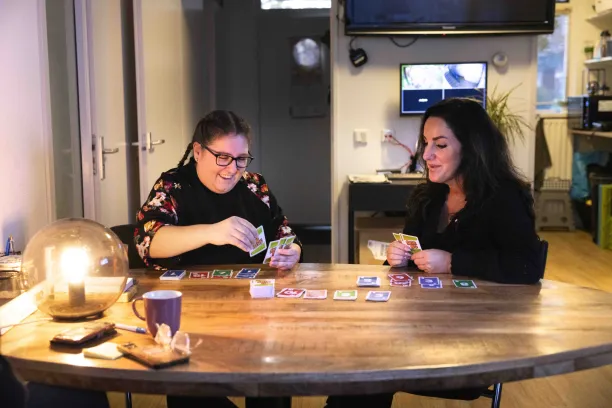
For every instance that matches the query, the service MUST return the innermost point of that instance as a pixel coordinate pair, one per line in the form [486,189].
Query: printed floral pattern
[161,209]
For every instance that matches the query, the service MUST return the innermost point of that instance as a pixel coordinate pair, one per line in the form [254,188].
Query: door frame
[82,17]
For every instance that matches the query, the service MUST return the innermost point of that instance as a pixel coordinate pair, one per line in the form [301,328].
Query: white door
[164,125]
[142,87]
[104,142]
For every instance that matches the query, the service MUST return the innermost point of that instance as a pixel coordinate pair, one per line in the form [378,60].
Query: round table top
[420,339]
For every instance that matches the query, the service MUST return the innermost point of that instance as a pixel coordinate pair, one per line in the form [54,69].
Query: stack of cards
[378,296]
[468,284]
[291,293]
[274,245]
[260,245]
[222,274]
[316,294]
[410,240]
[400,279]
[368,281]
[345,295]
[262,288]
[173,274]
[200,275]
[430,283]
[247,273]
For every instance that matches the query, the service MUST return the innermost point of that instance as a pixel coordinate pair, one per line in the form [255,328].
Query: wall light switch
[360,135]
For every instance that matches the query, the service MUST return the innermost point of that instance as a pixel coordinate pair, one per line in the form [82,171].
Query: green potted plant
[510,123]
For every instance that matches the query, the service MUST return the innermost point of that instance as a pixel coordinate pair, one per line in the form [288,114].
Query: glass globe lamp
[75,268]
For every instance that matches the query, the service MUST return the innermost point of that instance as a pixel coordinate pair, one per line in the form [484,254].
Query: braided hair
[214,125]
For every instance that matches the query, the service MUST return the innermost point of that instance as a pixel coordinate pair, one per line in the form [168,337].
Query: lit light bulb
[74,265]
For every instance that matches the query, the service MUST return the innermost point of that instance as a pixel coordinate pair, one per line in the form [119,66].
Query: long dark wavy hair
[485,156]
[214,125]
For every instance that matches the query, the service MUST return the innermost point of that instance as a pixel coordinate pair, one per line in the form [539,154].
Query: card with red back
[399,277]
[199,275]
[290,293]
[401,284]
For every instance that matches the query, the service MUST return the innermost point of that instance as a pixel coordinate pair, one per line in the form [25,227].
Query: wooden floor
[572,258]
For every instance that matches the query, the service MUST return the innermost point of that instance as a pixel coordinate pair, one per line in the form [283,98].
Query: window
[295,4]
[552,65]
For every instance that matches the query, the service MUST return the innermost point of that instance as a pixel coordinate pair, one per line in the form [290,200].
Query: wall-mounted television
[422,85]
[443,17]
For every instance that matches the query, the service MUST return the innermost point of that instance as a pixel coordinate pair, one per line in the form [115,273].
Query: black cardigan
[495,241]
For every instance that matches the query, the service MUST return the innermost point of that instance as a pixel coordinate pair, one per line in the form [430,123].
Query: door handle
[151,143]
[100,155]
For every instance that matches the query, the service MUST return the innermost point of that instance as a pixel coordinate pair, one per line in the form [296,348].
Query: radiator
[559,142]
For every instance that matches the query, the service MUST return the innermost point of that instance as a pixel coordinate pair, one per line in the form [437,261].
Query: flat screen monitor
[444,17]
[422,85]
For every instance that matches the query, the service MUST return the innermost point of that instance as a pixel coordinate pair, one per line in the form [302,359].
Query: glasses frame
[232,158]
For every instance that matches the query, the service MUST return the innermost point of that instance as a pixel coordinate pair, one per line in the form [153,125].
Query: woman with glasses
[206,210]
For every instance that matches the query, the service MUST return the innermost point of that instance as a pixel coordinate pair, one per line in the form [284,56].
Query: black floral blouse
[179,198]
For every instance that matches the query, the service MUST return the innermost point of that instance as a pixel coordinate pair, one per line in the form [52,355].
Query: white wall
[368,98]
[25,127]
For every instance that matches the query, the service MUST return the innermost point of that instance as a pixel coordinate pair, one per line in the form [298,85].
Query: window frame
[550,105]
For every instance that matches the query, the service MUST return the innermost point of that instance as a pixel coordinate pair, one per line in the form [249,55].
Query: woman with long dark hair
[473,216]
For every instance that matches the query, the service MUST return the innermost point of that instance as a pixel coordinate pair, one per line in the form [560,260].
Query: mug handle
[138,315]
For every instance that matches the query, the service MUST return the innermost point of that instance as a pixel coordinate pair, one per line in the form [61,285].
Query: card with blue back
[173,274]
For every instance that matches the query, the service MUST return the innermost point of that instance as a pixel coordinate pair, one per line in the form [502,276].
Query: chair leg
[497,393]
[128,400]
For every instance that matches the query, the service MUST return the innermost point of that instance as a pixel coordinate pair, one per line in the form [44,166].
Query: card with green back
[222,273]
[468,284]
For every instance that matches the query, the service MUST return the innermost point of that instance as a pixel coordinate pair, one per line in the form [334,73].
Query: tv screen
[441,17]
[422,85]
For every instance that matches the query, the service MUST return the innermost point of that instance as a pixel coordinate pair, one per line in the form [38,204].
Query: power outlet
[386,135]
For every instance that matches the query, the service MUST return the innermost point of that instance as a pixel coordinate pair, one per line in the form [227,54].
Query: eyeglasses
[224,159]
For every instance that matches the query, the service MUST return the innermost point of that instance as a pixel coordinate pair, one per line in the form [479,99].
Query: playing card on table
[316,294]
[368,281]
[431,285]
[260,245]
[246,273]
[429,280]
[271,249]
[262,288]
[402,284]
[173,274]
[469,284]
[199,275]
[378,296]
[345,295]
[400,277]
[222,273]
[290,293]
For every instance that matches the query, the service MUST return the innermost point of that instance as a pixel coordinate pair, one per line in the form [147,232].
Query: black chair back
[543,256]
[126,235]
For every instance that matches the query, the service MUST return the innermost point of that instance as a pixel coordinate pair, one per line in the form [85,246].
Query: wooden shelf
[599,63]
[592,133]
[602,19]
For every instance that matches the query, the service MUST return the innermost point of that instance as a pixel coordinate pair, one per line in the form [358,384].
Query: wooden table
[420,339]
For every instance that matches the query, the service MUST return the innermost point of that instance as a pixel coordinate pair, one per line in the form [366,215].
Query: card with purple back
[428,280]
